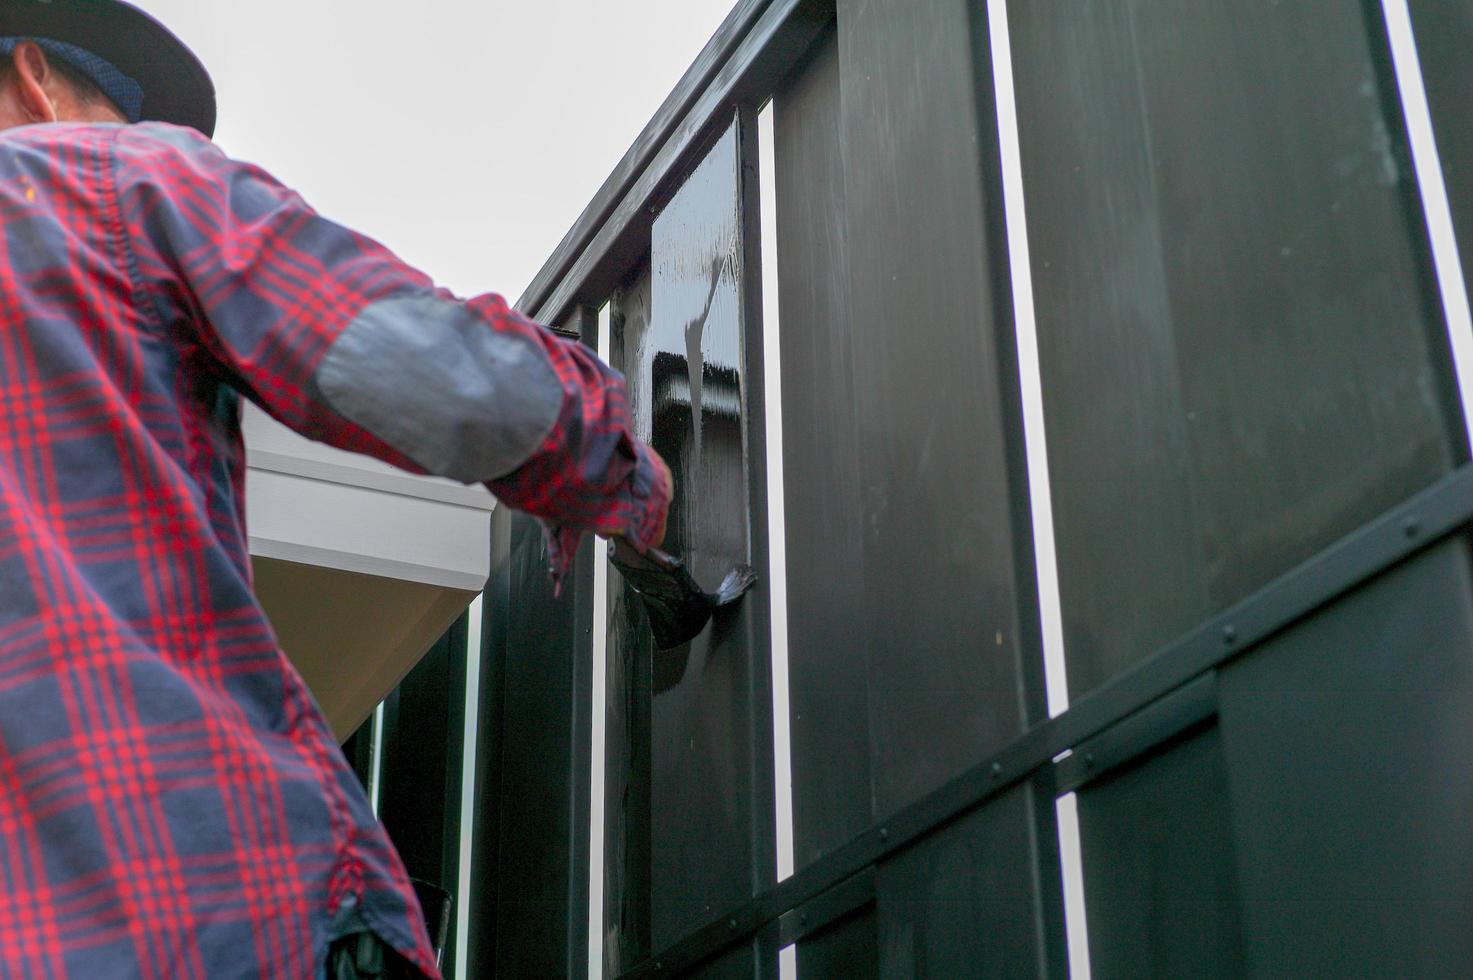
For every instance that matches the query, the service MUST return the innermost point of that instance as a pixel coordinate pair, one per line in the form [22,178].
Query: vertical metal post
[1035,440]
[777,570]
[468,787]
[599,754]
[375,765]
[1435,205]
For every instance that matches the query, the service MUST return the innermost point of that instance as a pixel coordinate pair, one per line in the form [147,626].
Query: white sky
[467,135]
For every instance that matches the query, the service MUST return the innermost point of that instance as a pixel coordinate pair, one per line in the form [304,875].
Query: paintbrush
[677,607]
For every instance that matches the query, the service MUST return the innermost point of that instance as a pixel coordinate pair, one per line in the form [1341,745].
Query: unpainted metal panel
[1243,358]
[964,902]
[937,483]
[848,948]
[540,837]
[828,680]
[1444,35]
[1159,875]
[1347,743]
[938,600]
[420,773]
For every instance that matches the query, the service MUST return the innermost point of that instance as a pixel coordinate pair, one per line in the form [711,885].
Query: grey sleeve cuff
[436,382]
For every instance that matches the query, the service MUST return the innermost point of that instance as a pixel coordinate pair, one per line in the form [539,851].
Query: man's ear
[33,76]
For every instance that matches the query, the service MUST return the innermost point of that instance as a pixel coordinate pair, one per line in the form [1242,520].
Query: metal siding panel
[419,794]
[419,789]
[485,882]
[696,733]
[938,601]
[826,637]
[1158,866]
[1347,742]
[1444,30]
[540,837]
[700,718]
[845,949]
[627,745]
[964,902]
[931,414]
[1242,356]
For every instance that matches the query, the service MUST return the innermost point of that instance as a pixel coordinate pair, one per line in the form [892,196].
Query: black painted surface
[1242,355]
[689,359]
[689,775]
[828,677]
[627,744]
[1159,872]
[1444,34]
[1352,836]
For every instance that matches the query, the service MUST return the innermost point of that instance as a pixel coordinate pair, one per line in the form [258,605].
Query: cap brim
[176,87]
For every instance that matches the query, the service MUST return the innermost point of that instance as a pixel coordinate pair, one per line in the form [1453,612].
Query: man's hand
[662,472]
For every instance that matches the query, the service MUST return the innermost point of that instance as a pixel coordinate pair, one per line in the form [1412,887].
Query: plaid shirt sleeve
[274,295]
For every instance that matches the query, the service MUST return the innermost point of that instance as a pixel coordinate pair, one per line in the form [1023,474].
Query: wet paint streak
[695,360]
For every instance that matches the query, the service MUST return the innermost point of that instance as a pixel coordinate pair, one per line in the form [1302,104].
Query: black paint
[689,792]
[627,741]
[701,719]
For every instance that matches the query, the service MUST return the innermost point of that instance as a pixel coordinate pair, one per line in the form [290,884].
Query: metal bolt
[1089,760]
[1412,527]
[803,919]
[1230,634]
[884,833]
[997,770]
[731,923]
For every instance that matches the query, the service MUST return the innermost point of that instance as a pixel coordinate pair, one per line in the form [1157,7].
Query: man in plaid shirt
[172,803]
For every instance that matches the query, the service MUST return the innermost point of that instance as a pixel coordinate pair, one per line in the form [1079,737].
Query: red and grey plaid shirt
[172,803]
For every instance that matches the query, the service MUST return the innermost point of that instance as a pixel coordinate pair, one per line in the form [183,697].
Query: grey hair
[85,90]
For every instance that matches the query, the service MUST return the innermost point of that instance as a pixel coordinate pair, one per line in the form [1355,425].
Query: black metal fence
[1128,614]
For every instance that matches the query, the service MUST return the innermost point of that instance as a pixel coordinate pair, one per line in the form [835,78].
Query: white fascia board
[355,529]
[314,505]
[272,447]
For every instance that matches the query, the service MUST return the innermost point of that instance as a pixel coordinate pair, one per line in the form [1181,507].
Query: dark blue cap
[125,93]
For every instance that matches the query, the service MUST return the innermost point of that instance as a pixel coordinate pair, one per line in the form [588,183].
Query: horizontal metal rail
[1157,700]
